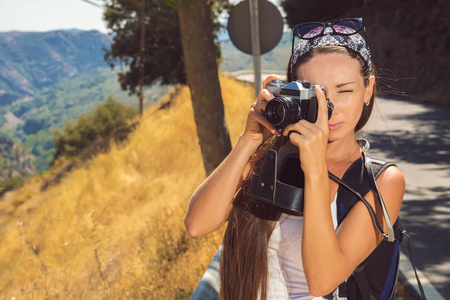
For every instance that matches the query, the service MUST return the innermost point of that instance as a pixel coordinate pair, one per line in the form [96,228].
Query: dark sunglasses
[311,30]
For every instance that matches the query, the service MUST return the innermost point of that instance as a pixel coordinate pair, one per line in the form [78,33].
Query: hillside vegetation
[113,228]
[53,107]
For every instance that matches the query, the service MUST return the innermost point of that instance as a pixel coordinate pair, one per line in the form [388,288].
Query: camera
[280,180]
[293,102]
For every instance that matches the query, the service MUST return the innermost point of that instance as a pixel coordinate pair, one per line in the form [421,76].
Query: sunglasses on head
[311,30]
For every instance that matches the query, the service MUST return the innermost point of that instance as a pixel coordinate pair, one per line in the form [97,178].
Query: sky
[46,15]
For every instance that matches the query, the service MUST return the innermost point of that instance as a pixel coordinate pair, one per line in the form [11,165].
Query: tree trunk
[203,80]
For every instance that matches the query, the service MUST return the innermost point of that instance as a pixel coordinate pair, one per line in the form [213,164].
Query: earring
[367,103]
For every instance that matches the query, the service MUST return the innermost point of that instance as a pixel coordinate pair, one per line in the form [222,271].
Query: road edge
[408,279]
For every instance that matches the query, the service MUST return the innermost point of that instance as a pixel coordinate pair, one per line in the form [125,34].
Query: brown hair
[244,263]
[243,266]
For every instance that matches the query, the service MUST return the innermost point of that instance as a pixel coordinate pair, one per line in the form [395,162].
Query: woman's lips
[335,126]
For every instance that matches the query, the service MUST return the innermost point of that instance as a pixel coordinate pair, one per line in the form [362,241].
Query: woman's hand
[312,138]
[258,129]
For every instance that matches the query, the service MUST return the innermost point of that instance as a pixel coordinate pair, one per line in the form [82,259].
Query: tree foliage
[32,125]
[108,121]
[163,51]
[162,43]
[317,10]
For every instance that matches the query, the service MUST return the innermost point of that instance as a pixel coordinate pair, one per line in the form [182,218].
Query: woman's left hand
[312,138]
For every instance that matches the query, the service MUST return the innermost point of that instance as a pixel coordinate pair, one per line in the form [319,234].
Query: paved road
[417,137]
[419,142]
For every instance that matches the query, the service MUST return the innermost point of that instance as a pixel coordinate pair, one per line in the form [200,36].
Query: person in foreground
[270,253]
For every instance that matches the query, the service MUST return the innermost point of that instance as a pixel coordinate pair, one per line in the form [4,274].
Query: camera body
[293,102]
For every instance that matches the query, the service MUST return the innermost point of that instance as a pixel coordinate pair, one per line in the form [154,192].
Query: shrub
[32,126]
[11,184]
[110,120]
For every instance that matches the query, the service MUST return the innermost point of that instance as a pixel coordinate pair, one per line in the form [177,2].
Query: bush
[108,121]
[11,184]
[32,126]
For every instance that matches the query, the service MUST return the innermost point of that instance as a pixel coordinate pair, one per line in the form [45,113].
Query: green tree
[33,125]
[317,10]
[179,48]
[163,51]
[107,121]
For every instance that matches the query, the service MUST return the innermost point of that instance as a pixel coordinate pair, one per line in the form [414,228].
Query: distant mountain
[50,78]
[276,59]
[31,61]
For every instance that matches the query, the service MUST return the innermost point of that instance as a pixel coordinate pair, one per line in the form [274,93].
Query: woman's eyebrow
[343,84]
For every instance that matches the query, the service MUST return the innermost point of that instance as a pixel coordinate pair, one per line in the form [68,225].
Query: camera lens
[282,111]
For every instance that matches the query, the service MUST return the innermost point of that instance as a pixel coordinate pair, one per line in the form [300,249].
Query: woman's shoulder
[391,184]
[387,173]
[392,175]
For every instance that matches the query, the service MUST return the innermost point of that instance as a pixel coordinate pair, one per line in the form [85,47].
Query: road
[417,137]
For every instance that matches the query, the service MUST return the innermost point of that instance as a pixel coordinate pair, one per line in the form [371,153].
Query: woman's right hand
[258,129]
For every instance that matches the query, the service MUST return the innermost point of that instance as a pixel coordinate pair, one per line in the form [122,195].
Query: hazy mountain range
[31,61]
[46,80]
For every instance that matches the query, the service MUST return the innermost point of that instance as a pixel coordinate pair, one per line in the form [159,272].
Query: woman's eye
[345,91]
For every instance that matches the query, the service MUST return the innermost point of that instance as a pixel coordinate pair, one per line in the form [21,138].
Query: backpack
[376,277]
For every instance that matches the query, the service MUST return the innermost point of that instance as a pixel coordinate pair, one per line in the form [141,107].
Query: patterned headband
[355,42]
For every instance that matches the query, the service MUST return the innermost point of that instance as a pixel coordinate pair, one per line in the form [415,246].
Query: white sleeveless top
[286,277]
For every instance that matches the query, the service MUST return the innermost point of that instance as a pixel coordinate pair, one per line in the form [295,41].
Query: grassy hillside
[113,229]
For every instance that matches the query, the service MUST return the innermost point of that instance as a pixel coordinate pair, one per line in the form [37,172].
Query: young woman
[268,253]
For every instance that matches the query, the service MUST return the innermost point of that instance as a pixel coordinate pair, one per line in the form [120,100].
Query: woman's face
[341,76]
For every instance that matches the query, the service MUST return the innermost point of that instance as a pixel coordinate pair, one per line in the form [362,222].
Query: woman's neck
[341,150]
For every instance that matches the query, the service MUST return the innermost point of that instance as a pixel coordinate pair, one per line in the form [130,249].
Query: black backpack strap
[390,236]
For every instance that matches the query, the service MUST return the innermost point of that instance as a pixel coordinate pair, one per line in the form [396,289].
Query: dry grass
[113,228]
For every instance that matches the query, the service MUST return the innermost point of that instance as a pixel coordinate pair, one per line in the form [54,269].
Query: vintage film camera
[280,180]
[293,102]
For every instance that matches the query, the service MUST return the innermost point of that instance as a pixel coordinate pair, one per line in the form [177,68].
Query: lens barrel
[282,111]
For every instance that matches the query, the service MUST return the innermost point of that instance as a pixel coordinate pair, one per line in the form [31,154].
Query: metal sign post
[256,49]
[246,33]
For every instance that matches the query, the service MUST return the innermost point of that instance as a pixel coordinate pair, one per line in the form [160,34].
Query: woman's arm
[330,257]
[211,203]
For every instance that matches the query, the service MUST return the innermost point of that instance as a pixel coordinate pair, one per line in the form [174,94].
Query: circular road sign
[270,26]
